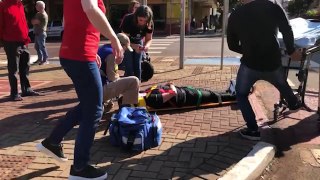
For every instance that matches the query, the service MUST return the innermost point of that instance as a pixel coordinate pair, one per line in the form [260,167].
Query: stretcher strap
[219,98]
[199,97]
[150,90]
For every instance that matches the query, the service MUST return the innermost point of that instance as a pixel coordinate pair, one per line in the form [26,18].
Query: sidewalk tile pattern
[197,144]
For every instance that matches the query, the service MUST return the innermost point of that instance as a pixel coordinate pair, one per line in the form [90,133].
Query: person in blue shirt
[113,85]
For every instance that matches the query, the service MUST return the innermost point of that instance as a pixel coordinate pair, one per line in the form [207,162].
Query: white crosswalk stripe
[158,45]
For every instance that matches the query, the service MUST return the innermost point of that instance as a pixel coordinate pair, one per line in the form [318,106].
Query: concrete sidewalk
[197,144]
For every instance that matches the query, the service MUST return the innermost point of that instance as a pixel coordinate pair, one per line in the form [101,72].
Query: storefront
[166,12]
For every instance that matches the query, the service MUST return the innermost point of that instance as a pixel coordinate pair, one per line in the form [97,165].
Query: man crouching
[113,85]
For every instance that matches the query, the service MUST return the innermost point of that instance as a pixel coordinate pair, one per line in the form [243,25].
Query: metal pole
[224,24]
[170,16]
[144,2]
[182,32]
[190,17]
[318,112]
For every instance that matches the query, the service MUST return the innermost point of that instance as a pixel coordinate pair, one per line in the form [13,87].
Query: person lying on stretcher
[169,95]
[155,97]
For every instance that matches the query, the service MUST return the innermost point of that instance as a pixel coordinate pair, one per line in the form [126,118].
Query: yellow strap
[152,88]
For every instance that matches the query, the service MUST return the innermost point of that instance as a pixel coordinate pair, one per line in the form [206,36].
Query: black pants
[18,59]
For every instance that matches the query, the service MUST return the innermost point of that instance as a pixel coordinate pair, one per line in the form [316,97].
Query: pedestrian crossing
[157,46]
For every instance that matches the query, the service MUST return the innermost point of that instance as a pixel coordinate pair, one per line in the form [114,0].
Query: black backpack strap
[109,124]
[130,141]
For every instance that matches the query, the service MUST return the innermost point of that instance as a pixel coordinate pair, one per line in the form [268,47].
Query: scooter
[302,75]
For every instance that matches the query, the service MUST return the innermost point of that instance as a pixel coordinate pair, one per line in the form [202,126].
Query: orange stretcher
[208,105]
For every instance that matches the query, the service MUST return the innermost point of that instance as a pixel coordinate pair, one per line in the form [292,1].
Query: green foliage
[232,3]
[298,7]
[312,12]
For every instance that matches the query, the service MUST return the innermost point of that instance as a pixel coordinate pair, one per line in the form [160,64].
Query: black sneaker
[296,107]
[251,135]
[30,93]
[54,151]
[88,172]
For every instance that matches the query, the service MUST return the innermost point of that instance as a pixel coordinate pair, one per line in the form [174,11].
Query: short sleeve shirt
[42,27]
[136,33]
[80,38]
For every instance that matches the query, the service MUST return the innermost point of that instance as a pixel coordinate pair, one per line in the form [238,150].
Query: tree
[298,7]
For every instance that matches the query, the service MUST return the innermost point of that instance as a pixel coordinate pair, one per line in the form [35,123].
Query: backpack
[135,129]
[147,69]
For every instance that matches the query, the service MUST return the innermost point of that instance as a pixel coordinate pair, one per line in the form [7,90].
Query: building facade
[166,12]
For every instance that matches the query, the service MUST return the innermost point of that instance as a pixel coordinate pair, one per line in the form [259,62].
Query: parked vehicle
[306,32]
[54,29]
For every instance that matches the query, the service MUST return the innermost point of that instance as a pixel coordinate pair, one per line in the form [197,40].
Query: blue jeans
[87,82]
[40,46]
[132,63]
[246,78]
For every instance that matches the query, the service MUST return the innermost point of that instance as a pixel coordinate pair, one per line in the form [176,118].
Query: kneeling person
[113,85]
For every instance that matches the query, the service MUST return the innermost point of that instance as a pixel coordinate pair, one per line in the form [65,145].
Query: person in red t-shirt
[83,22]
[14,38]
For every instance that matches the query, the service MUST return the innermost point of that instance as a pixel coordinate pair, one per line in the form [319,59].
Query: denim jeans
[40,46]
[246,78]
[87,82]
[18,58]
[132,63]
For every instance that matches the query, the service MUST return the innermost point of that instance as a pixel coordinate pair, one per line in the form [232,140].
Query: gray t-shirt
[42,26]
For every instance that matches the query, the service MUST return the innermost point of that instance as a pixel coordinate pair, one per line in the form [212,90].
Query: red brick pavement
[200,143]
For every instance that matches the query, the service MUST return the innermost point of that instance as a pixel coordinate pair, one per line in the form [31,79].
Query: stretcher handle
[312,49]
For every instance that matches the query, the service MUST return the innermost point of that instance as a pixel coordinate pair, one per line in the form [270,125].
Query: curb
[252,166]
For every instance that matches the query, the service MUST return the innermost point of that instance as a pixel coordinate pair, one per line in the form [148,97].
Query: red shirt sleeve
[1,21]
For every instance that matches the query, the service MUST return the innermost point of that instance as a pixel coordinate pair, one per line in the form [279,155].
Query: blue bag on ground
[134,128]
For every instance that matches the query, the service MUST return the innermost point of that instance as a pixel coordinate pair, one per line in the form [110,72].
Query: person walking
[205,24]
[139,27]
[40,23]
[78,57]
[133,6]
[252,32]
[14,38]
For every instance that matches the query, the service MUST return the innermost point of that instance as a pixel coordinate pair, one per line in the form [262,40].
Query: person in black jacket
[252,32]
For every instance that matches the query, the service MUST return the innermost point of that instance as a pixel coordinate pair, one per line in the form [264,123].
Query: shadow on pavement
[37,173]
[203,157]
[57,89]
[42,69]
[44,104]
[303,131]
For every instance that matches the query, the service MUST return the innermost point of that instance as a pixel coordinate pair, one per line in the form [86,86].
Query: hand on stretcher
[296,55]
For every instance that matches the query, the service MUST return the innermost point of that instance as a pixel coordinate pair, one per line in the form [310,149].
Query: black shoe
[16,98]
[88,172]
[251,135]
[296,107]
[54,151]
[30,93]
[37,61]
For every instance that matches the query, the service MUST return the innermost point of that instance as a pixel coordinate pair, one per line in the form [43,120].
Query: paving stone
[142,174]
[122,174]
[155,166]
[190,138]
